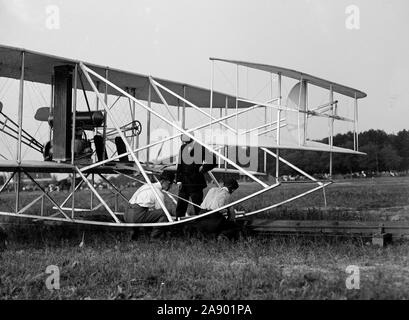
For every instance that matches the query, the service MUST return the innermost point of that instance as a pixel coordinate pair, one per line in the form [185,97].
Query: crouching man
[221,223]
[144,207]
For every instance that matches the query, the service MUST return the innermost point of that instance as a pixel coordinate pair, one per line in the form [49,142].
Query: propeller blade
[42,114]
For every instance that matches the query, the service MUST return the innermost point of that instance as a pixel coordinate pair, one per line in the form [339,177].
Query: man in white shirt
[217,198]
[144,207]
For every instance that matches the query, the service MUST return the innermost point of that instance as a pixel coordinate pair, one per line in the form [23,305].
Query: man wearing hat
[194,161]
[144,207]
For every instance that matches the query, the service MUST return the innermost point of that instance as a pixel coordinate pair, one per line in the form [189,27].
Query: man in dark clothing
[194,162]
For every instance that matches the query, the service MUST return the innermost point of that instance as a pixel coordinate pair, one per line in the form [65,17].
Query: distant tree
[389,158]
[384,151]
[370,162]
[401,144]
[376,137]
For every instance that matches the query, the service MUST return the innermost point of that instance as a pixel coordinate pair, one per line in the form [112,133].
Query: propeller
[42,114]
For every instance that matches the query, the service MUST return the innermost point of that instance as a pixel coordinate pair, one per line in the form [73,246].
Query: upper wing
[297,75]
[39,67]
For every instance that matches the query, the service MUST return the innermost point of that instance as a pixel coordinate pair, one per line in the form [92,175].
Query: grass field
[108,265]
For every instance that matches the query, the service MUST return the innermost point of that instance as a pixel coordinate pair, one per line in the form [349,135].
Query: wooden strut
[30,204]
[115,188]
[7,182]
[76,188]
[85,70]
[30,140]
[192,105]
[47,196]
[91,187]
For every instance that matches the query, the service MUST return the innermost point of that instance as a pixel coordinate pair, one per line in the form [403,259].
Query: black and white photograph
[202,156]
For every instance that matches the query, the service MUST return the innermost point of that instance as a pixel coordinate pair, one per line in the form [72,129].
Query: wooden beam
[368,228]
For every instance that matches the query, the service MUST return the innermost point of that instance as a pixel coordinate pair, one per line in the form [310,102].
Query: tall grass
[252,268]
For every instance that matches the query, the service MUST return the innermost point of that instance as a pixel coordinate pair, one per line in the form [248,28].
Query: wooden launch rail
[351,228]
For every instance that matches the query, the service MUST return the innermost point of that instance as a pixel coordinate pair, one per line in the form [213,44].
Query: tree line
[385,152]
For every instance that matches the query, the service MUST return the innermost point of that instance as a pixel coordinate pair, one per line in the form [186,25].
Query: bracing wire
[38,129]
[7,145]
[4,85]
[39,92]
[225,77]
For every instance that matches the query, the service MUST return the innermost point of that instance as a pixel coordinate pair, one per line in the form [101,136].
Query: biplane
[101,137]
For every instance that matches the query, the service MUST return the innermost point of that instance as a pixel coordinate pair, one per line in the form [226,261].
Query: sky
[174,39]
